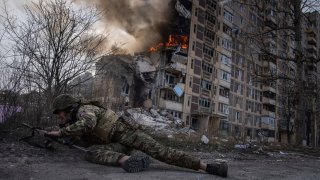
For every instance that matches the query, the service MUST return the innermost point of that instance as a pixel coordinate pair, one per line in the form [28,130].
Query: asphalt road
[22,162]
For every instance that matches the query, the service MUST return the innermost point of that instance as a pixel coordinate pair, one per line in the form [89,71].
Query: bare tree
[55,44]
[287,109]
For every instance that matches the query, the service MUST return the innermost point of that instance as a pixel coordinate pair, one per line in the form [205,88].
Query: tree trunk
[300,115]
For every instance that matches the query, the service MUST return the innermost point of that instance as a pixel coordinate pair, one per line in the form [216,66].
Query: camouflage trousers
[126,138]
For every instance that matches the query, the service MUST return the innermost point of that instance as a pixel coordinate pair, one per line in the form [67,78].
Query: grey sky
[119,36]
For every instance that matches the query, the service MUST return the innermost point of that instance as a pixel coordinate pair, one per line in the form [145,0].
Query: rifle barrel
[56,139]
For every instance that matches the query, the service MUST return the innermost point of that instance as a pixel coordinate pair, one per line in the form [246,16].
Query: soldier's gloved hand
[54,133]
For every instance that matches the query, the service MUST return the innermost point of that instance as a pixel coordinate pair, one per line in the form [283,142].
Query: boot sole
[136,164]
[221,169]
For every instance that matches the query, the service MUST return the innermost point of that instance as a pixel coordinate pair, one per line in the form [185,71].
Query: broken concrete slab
[204,139]
[155,123]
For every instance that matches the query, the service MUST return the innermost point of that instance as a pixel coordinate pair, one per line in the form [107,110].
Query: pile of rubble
[158,122]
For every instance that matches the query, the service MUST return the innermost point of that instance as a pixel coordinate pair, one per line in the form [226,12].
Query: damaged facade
[113,84]
[202,73]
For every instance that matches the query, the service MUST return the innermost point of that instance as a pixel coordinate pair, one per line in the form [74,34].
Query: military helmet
[63,102]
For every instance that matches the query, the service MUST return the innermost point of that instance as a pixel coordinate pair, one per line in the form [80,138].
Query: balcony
[311,30]
[266,100]
[225,83]
[268,113]
[267,122]
[176,68]
[225,67]
[167,86]
[209,41]
[209,25]
[206,75]
[312,48]
[223,99]
[269,88]
[312,56]
[203,111]
[208,58]
[211,9]
[205,93]
[171,105]
[311,40]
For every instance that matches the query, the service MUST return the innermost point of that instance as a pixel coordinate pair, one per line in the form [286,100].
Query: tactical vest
[105,125]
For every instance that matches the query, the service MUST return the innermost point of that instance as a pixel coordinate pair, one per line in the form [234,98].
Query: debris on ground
[242,146]
[204,139]
[159,122]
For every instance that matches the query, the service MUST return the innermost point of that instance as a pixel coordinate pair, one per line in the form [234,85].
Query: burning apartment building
[201,72]
[186,75]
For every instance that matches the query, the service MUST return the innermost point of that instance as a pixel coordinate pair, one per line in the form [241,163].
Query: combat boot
[136,164]
[218,168]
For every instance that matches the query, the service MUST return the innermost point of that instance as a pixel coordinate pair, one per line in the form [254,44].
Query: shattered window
[170,79]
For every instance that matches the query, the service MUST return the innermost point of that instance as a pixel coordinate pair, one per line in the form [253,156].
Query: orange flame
[173,41]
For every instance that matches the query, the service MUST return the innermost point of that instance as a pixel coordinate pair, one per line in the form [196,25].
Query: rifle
[49,139]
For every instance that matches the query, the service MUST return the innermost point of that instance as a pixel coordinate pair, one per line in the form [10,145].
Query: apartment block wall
[240,105]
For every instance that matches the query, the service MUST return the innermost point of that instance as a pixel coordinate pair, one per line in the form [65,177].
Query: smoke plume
[144,20]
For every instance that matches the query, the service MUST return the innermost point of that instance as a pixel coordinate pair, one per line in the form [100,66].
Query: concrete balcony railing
[224,83]
[269,88]
[205,92]
[171,105]
[208,58]
[209,24]
[208,40]
[312,48]
[167,85]
[268,113]
[206,75]
[267,126]
[266,100]
[311,30]
[225,100]
[267,122]
[312,55]
[311,40]
[176,68]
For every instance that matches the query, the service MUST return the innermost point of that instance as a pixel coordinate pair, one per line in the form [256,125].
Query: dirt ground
[22,161]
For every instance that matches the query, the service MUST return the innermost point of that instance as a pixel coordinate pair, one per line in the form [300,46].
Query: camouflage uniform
[115,138]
